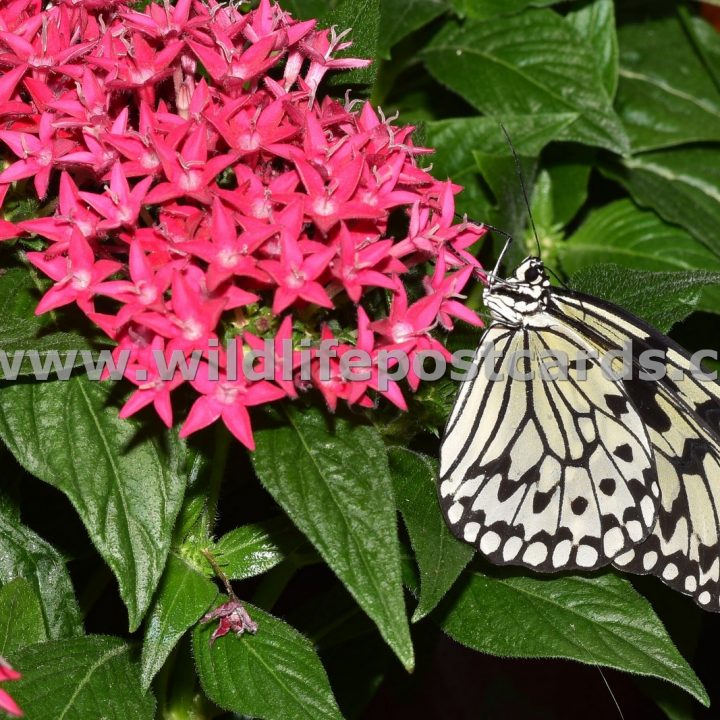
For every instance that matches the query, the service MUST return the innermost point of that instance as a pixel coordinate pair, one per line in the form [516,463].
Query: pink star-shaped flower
[37,153]
[295,274]
[152,387]
[76,275]
[119,205]
[229,400]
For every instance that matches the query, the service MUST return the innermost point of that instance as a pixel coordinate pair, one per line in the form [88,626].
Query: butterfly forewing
[549,474]
[612,327]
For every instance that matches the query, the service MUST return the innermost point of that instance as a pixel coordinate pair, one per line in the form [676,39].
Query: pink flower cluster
[196,189]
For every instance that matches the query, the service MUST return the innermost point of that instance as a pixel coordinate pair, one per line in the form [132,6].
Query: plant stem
[219,573]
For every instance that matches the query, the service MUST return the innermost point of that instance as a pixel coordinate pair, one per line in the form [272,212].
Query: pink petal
[315,293]
[204,412]
[19,171]
[237,420]
[8,230]
[9,705]
[137,401]
[42,180]
[163,407]
[56,297]
[458,310]
[262,392]
[283,299]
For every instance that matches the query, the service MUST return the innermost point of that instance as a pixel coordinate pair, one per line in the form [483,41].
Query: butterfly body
[590,468]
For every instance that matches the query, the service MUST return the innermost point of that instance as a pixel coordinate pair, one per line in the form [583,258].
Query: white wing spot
[670,572]
[447,487]
[586,556]
[455,512]
[704,597]
[535,553]
[625,558]
[648,511]
[690,583]
[655,489]
[470,531]
[512,548]
[490,542]
[650,559]
[561,554]
[634,530]
[613,541]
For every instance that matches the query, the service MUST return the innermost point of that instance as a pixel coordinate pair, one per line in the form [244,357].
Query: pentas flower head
[197,187]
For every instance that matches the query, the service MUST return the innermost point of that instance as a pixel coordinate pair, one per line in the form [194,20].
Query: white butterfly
[578,473]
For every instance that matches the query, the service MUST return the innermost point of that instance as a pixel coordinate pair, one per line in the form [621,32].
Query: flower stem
[219,573]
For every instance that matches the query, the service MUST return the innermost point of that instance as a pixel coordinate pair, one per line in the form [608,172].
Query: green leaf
[660,298]
[183,596]
[89,677]
[125,479]
[664,103]
[454,140]
[21,616]
[458,143]
[254,549]
[682,186]
[596,620]
[568,184]
[706,41]
[23,554]
[549,232]
[485,9]
[331,477]
[509,212]
[363,18]
[308,9]
[21,329]
[595,22]
[399,18]
[531,63]
[623,234]
[440,556]
[274,674]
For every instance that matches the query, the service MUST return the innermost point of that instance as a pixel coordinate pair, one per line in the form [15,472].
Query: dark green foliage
[331,528]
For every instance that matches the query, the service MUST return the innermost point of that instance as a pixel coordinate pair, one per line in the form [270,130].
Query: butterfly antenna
[500,256]
[558,278]
[602,674]
[518,170]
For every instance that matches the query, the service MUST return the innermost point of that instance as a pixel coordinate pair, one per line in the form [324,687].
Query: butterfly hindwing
[682,549]
[549,474]
[681,413]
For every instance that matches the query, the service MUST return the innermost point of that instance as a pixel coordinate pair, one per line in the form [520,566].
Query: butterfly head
[515,300]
